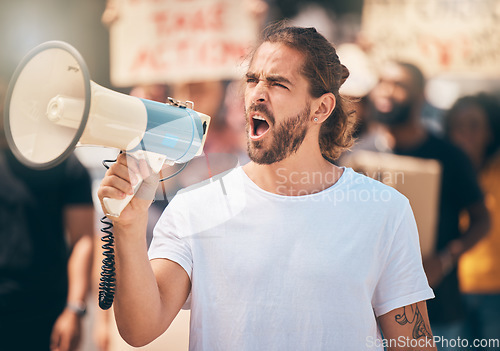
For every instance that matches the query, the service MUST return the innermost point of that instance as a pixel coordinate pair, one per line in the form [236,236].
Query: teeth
[259,118]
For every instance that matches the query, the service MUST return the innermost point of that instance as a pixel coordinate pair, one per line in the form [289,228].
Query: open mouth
[259,127]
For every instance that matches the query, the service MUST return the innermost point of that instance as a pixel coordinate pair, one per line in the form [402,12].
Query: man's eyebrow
[271,78]
[251,75]
[278,78]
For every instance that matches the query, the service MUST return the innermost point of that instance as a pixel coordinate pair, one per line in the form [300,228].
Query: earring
[315,119]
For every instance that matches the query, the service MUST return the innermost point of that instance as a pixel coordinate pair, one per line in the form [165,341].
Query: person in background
[397,101]
[46,244]
[473,124]
[370,135]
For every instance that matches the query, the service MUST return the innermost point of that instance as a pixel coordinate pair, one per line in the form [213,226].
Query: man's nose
[259,93]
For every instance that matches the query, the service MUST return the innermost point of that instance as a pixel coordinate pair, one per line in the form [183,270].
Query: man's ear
[323,107]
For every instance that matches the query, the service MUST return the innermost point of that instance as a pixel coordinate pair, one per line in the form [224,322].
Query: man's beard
[399,115]
[287,136]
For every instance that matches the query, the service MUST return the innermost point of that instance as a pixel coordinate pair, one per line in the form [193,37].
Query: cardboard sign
[437,35]
[418,179]
[177,41]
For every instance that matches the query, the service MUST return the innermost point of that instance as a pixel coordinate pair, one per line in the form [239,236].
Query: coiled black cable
[107,285]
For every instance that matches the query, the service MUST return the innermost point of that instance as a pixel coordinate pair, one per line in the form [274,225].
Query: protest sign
[437,35]
[177,41]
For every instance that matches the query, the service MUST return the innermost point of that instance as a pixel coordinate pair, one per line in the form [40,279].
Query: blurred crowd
[463,270]
[393,115]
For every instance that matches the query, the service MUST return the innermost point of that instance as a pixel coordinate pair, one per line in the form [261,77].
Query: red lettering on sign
[445,51]
[219,53]
[160,20]
[202,20]
[150,58]
[233,50]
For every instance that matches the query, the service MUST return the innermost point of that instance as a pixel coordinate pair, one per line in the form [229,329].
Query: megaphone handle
[114,207]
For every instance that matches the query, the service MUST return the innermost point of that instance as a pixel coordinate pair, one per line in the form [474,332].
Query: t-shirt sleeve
[170,240]
[402,280]
[77,183]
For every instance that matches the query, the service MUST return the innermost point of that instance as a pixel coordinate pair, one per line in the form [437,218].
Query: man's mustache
[261,108]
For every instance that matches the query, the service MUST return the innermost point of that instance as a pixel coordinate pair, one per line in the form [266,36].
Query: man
[288,252]
[46,233]
[397,102]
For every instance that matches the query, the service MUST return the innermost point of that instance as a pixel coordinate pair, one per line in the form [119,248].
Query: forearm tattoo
[412,315]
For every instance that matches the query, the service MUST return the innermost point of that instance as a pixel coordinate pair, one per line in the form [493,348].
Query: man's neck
[302,173]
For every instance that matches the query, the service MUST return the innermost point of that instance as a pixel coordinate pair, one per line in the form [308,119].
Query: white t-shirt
[311,272]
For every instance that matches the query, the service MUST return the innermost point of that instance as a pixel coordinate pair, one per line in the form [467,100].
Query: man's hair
[325,74]
[417,77]
[491,107]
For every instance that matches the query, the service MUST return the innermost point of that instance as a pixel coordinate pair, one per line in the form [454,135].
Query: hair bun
[344,75]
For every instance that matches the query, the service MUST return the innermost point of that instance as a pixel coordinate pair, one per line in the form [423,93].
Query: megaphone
[52,106]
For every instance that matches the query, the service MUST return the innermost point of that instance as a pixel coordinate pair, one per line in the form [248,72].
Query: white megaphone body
[52,107]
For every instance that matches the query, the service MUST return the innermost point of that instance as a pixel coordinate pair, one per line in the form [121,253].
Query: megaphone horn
[52,106]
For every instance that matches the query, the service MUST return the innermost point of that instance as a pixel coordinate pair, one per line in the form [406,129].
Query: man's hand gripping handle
[114,207]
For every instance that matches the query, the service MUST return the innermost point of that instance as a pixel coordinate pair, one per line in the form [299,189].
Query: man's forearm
[137,304]
[79,268]
[478,228]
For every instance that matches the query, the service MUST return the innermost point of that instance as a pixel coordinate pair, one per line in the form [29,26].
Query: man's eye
[252,80]
[280,85]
